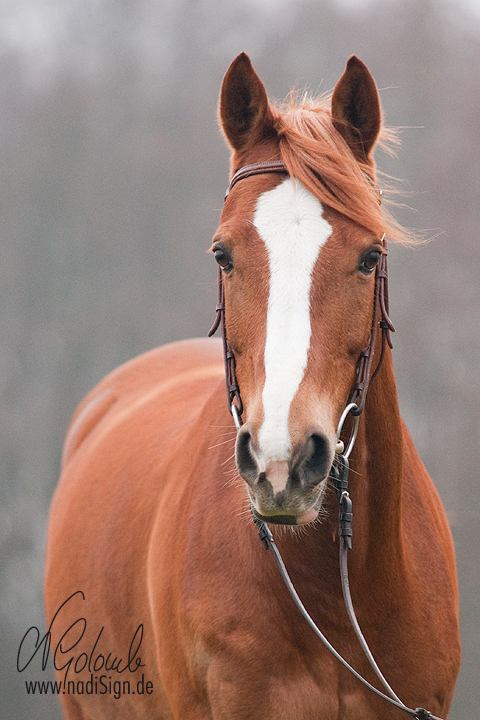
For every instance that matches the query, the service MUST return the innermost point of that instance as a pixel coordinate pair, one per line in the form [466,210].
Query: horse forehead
[291,223]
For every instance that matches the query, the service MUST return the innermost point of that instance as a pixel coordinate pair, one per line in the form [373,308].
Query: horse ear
[356,110]
[245,114]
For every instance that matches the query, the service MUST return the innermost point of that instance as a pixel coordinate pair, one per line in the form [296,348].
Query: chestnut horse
[161,600]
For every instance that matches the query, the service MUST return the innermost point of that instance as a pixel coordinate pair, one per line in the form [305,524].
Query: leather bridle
[340,468]
[380,306]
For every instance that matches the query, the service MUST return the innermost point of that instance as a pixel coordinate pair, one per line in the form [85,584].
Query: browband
[276,166]
[270,166]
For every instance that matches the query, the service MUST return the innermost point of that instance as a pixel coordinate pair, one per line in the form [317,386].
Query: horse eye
[223,258]
[370,261]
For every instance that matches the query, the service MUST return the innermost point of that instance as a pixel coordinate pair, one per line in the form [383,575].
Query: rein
[340,468]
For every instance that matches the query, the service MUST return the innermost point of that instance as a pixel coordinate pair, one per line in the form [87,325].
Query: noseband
[340,468]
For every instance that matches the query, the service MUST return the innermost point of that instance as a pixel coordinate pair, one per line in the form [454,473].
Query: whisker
[223,442]
[231,431]
[246,516]
[232,457]
[234,480]
[244,511]
[229,428]
[352,471]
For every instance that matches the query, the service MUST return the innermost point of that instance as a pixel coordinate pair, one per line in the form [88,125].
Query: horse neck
[376,480]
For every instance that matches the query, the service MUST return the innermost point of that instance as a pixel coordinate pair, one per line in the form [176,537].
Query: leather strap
[270,166]
[381,305]
[267,538]
[231,383]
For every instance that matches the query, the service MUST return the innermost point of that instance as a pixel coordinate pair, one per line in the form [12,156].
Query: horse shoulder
[127,383]
[126,431]
[119,476]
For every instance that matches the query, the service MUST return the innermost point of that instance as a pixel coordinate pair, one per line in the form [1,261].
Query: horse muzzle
[290,491]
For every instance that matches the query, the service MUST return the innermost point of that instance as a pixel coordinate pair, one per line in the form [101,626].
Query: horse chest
[282,687]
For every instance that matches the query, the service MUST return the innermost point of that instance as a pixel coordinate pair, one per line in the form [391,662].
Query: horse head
[298,249]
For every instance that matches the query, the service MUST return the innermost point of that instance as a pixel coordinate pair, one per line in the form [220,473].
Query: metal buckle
[236,416]
[340,448]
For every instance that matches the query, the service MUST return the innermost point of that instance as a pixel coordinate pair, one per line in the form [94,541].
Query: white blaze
[289,221]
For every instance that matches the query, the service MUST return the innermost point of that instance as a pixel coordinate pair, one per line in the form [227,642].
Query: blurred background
[112,173]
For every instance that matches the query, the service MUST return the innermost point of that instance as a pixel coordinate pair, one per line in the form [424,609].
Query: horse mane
[314,152]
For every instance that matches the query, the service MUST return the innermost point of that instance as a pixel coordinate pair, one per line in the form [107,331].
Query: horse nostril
[246,462]
[316,465]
